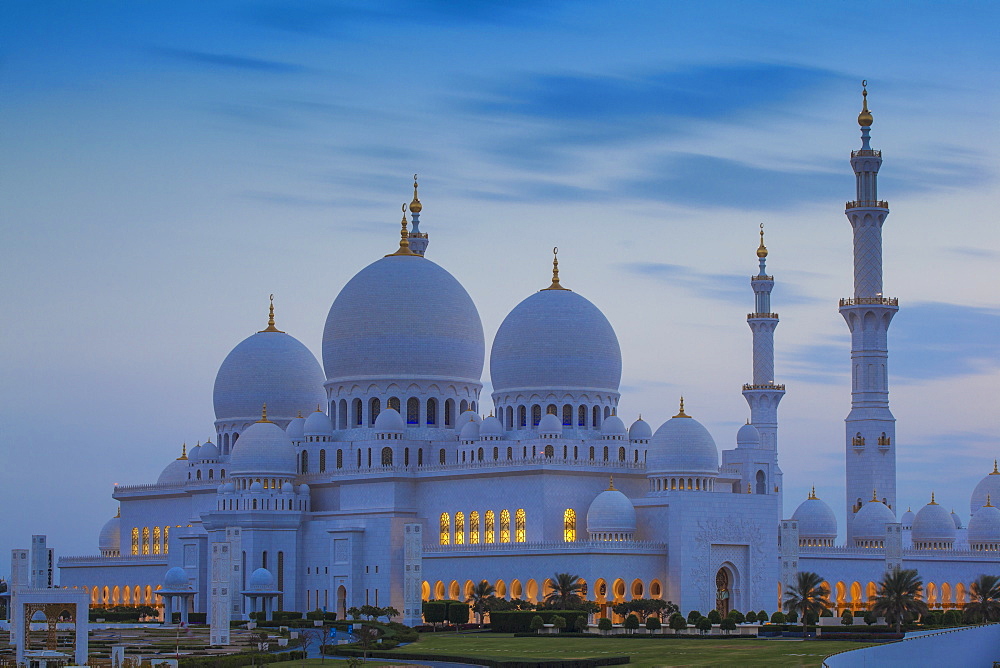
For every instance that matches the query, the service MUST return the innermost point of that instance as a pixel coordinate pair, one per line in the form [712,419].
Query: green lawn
[652,652]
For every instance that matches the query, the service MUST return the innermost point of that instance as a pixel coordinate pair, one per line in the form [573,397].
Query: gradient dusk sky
[167,165]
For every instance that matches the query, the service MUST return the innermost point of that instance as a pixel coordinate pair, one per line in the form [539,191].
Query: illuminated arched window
[386,456]
[135,540]
[432,409]
[520,532]
[569,525]
[322,461]
[156,540]
[445,529]
[459,528]
[413,411]
[145,540]
[374,408]
[505,526]
[166,540]
[490,531]
[474,527]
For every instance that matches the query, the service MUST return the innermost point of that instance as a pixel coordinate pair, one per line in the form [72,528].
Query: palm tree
[898,596]
[808,594]
[565,591]
[985,603]
[480,598]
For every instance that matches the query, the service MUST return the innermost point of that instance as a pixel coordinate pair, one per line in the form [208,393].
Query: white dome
[933,524]
[469,415]
[303,489]
[209,451]
[816,519]
[389,421]
[988,486]
[110,538]
[956,519]
[261,580]
[256,487]
[550,424]
[287,488]
[613,426]
[748,437]
[398,305]
[176,579]
[556,339]
[984,527]
[263,448]
[270,368]
[907,519]
[470,431]
[683,445]
[227,488]
[296,428]
[611,512]
[640,431]
[317,424]
[869,522]
[491,427]
[194,454]
[174,473]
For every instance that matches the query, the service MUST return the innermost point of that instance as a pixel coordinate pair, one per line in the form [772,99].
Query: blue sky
[167,165]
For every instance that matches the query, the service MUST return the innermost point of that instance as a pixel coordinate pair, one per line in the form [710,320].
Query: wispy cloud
[731,288]
[231,62]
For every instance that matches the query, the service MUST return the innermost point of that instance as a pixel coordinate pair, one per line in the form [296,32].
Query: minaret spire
[270,319]
[418,239]
[870,426]
[404,239]
[555,271]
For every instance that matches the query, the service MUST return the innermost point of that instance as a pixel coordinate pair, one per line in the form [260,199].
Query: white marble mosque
[376,479]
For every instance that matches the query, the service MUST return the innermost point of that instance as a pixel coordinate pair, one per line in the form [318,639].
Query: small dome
[869,522]
[227,488]
[194,454]
[748,437]
[110,538]
[550,424]
[470,431]
[933,524]
[303,489]
[988,486]
[317,424]
[614,427]
[287,488]
[469,415]
[907,519]
[174,473]
[209,451]
[816,519]
[176,579]
[611,512]
[296,428]
[389,421]
[263,448]
[491,428]
[956,519]
[984,527]
[261,580]
[256,487]
[683,445]
[640,431]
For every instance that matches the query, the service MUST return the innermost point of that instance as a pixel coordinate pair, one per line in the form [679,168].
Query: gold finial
[874,496]
[319,408]
[682,414]
[415,205]
[933,502]
[865,117]
[748,489]
[404,239]
[812,494]
[762,249]
[988,504]
[995,471]
[184,452]
[611,484]
[640,417]
[270,319]
[555,271]
[491,413]
[263,414]
[300,414]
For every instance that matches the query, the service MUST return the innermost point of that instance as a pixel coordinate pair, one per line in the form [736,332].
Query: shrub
[536,623]
[827,613]
[581,624]
[762,616]
[435,612]
[693,617]
[704,624]
[653,623]
[792,617]
[559,622]
[736,616]
[952,618]
[870,618]
[847,619]
[236,660]
[752,617]
[631,623]
[677,622]
[778,618]
[458,612]
[728,624]
[714,617]
[519,621]
[604,624]
[810,619]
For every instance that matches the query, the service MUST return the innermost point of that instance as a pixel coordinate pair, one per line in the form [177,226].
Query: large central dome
[403,317]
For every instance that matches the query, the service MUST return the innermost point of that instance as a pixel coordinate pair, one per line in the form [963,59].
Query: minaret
[871,451]
[418,239]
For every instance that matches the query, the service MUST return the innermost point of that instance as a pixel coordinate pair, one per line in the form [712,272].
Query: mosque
[375,479]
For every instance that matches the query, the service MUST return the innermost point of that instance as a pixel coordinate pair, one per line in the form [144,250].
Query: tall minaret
[871,450]
[418,239]
[763,394]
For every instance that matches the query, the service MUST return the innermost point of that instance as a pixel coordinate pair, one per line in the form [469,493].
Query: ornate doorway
[722,592]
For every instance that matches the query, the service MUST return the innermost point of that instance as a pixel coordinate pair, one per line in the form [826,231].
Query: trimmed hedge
[519,621]
[643,636]
[237,660]
[492,663]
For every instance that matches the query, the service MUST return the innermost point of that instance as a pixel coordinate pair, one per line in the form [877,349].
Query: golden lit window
[156,540]
[145,540]
[166,539]
[135,540]
[445,529]
[490,527]
[569,525]
[520,532]
[474,527]
[459,528]
[505,526]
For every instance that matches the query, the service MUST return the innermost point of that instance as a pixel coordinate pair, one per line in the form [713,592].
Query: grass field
[670,652]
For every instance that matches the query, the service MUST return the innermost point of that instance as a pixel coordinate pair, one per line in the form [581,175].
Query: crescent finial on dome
[184,452]
[263,414]
[404,239]
[611,483]
[812,494]
[270,319]
[681,413]
[995,471]
[874,495]
[933,502]
[865,117]
[555,271]
[762,249]
[988,504]
[415,205]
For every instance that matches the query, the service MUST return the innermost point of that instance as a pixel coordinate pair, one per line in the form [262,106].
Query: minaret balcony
[866,153]
[877,301]
[771,316]
[867,203]
[767,386]
[760,277]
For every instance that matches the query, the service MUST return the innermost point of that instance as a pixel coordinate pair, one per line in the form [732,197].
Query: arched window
[166,541]
[445,529]
[522,416]
[358,413]
[479,454]
[510,417]
[581,416]
[569,525]
[197,474]
[496,453]
[406,456]
[145,540]
[459,528]
[322,461]
[420,456]
[576,452]
[374,408]
[520,530]
[621,453]
[156,540]
[607,412]
[222,473]
[549,451]
[449,412]
[304,467]
[505,526]
[386,456]
[225,444]
[236,437]
[596,422]
[442,457]
[605,453]
[432,409]
[567,418]
[490,532]
[472,407]
[761,483]
[474,527]
[211,474]
[591,453]
[464,406]
[359,457]
[413,411]
[510,453]
[342,415]
[536,415]
[551,410]
[340,458]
